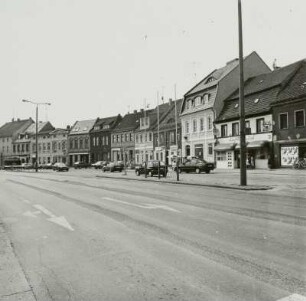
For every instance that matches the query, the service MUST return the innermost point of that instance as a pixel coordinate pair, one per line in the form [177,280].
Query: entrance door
[187,149]
[198,151]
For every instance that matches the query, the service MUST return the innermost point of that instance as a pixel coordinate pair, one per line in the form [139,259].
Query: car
[195,165]
[99,164]
[80,164]
[46,166]
[27,166]
[59,166]
[113,166]
[151,168]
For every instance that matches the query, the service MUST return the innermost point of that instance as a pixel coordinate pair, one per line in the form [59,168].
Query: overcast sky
[98,58]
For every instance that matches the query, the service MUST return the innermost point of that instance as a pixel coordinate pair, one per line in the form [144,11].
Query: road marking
[294,297]
[59,220]
[144,206]
[31,213]
[26,201]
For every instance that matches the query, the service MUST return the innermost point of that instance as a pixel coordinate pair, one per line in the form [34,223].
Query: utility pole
[176,135]
[36,128]
[243,173]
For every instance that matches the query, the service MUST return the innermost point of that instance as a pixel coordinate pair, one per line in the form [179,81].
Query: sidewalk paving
[13,283]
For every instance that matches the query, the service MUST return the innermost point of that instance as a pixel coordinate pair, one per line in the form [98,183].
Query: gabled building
[100,138]
[25,146]
[204,102]
[289,119]
[79,141]
[260,92]
[59,145]
[167,134]
[123,138]
[144,144]
[9,132]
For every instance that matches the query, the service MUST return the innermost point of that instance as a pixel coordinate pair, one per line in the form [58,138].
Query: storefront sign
[289,154]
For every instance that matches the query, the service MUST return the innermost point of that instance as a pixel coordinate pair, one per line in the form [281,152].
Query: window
[224,130]
[93,141]
[187,104]
[206,98]
[198,100]
[137,138]
[172,135]
[131,137]
[283,121]
[202,124]
[106,140]
[86,143]
[299,117]
[235,129]
[187,127]
[210,148]
[81,143]
[209,122]
[194,125]
[260,125]
[150,137]
[221,156]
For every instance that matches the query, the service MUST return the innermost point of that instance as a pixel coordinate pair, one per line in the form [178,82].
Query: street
[79,237]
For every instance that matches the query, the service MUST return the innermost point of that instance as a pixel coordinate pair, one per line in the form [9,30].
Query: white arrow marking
[294,297]
[31,214]
[144,206]
[61,221]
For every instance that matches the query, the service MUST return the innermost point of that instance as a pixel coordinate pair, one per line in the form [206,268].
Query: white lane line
[144,206]
[294,297]
[59,220]
[31,213]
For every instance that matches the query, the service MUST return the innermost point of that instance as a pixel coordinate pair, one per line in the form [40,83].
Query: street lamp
[36,130]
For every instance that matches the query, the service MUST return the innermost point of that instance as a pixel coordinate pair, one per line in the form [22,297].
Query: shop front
[290,153]
[225,155]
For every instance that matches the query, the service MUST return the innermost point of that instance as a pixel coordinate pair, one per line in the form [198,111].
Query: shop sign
[289,154]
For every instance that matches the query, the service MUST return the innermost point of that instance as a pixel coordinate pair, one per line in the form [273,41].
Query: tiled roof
[82,127]
[59,131]
[257,103]
[129,122]
[296,86]
[107,121]
[161,110]
[11,128]
[32,128]
[216,75]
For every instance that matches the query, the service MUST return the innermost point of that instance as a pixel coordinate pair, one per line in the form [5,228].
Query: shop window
[221,156]
[283,121]
[260,125]
[224,130]
[299,118]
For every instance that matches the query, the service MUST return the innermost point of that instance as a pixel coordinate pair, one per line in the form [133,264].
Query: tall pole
[243,173]
[176,133]
[36,140]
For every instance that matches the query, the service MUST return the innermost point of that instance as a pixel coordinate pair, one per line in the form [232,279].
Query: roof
[160,110]
[129,122]
[59,131]
[296,86]
[11,128]
[42,126]
[111,121]
[216,75]
[82,127]
[260,92]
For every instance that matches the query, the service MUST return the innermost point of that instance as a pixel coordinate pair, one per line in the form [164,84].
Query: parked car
[60,167]
[46,166]
[151,168]
[81,165]
[113,166]
[195,165]
[99,164]
[27,166]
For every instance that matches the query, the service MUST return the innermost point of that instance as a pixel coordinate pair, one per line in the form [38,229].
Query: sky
[98,58]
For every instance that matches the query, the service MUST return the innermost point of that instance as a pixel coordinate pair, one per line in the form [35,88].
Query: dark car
[79,164]
[113,166]
[99,164]
[27,166]
[46,166]
[196,165]
[151,168]
[60,167]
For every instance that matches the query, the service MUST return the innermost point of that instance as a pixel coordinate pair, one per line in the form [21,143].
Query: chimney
[141,110]
[13,119]
[68,127]
[135,111]
[275,67]
[18,119]
[170,101]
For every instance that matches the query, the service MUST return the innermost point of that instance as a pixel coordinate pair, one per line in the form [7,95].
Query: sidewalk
[13,283]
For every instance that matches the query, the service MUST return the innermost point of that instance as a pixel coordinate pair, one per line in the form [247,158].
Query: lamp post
[36,129]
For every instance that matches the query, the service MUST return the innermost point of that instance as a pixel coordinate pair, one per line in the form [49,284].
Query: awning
[224,146]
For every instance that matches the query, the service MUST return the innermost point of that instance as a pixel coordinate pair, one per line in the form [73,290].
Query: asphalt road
[85,238]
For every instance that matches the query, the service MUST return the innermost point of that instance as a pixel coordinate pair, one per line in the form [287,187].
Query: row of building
[204,124]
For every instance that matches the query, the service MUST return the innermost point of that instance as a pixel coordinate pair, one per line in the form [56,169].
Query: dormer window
[209,80]
[198,100]
[97,128]
[106,126]
[206,98]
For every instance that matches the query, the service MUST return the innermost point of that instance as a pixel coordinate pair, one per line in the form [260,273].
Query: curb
[235,187]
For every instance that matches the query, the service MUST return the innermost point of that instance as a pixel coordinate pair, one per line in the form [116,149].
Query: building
[204,102]
[79,141]
[59,145]
[289,119]
[260,92]
[25,146]
[9,132]
[123,138]
[100,138]
[169,133]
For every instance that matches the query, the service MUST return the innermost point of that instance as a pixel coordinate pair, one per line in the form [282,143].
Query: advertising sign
[288,155]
